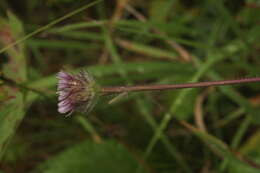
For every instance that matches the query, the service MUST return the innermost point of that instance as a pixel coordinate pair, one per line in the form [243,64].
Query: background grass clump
[123,42]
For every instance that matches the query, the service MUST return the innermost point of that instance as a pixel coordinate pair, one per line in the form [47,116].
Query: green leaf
[15,24]
[251,144]
[12,109]
[242,168]
[11,115]
[147,50]
[251,149]
[110,156]
[156,12]
[216,145]
[56,44]
[223,150]
[11,30]
[185,111]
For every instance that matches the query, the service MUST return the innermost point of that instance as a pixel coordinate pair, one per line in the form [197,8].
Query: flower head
[76,92]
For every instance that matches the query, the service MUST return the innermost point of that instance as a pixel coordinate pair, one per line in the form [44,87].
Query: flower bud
[76,92]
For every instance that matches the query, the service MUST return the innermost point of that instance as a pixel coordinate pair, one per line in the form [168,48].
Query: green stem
[49,25]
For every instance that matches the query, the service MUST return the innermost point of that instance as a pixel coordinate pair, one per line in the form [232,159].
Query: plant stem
[138,88]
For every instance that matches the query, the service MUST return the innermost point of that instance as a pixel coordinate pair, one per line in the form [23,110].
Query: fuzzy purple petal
[64,76]
[62,86]
[65,102]
[65,109]
[73,91]
[63,95]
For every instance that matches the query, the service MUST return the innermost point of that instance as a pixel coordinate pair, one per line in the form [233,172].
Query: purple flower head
[76,92]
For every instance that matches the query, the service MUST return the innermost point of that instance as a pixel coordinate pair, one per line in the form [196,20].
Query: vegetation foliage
[123,42]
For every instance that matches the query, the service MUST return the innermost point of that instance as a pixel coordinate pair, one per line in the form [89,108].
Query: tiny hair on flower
[76,92]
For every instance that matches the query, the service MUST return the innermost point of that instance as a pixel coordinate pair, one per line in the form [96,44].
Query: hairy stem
[137,88]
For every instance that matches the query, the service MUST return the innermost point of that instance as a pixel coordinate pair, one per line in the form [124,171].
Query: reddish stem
[137,88]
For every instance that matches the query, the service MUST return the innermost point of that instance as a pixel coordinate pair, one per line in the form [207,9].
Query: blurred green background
[126,42]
